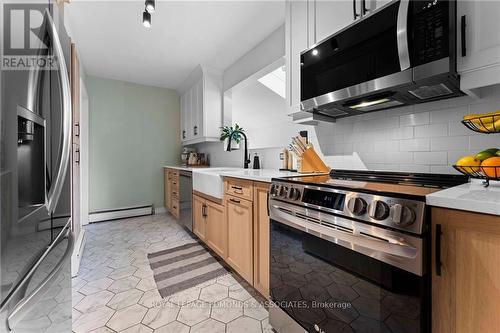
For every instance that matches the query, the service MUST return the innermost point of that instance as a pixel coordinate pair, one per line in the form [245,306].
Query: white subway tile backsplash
[431,158]
[450,143]
[454,114]
[398,157]
[422,144]
[429,131]
[414,168]
[400,133]
[457,128]
[364,147]
[443,169]
[414,119]
[385,146]
[485,141]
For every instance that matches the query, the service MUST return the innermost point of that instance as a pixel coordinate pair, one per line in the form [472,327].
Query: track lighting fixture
[146,19]
[150,6]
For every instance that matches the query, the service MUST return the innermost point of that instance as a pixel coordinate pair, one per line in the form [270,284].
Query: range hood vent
[428,92]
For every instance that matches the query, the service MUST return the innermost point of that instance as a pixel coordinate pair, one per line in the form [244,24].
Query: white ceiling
[113,43]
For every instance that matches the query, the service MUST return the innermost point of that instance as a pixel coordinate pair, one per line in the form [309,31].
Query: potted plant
[226,132]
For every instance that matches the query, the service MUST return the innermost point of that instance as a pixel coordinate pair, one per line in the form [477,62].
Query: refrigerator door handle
[28,302]
[58,182]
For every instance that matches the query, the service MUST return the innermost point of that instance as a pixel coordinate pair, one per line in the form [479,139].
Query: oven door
[330,282]
[369,56]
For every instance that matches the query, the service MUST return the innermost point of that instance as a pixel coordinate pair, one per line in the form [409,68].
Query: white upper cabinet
[201,106]
[478,50]
[332,16]
[296,41]
[372,5]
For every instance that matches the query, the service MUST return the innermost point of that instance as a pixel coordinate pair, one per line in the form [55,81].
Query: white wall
[266,52]
[262,113]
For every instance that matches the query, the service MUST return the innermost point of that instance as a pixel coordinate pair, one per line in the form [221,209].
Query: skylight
[275,81]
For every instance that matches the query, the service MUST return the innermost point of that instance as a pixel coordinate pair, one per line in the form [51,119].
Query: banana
[472,116]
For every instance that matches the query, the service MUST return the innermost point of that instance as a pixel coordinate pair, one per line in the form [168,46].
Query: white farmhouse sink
[209,181]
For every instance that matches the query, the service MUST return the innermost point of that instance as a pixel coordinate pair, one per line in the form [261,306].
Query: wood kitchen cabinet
[479,65]
[199,223]
[171,186]
[465,272]
[261,238]
[237,230]
[216,228]
[210,225]
[239,217]
[168,188]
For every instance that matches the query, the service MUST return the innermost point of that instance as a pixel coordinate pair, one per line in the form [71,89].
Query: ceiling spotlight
[146,19]
[315,52]
[150,6]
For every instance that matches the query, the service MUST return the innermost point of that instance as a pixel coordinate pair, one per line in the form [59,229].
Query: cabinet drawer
[239,188]
[175,208]
[175,184]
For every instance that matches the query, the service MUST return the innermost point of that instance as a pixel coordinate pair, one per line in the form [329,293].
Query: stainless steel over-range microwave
[404,53]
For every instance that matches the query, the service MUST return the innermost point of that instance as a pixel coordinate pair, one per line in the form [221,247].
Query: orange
[491,167]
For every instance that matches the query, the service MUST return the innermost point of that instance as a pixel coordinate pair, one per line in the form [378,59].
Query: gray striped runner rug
[183,267]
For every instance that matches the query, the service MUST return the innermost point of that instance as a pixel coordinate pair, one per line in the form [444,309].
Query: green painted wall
[134,131]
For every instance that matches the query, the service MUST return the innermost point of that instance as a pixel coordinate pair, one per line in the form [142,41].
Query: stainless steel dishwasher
[185,199]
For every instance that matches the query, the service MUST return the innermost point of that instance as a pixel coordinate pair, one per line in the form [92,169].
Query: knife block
[310,162]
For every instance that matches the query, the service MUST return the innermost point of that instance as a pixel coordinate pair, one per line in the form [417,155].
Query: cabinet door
[332,16]
[168,189]
[261,239]
[466,293]
[183,118]
[197,115]
[296,41]
[372,5]
[188,115]
[482,39]
[199,212]
[239,217]
[216,229]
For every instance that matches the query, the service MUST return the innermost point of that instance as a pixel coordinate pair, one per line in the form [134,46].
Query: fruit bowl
[480,172]
[486,124]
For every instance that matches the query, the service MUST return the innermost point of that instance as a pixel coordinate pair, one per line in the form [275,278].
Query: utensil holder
[310,162]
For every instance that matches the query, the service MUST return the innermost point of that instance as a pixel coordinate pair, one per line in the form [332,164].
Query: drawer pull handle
[234,200]
[237,187]
[437,259]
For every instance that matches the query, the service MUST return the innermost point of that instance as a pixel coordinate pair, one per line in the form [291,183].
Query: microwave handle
[402,35]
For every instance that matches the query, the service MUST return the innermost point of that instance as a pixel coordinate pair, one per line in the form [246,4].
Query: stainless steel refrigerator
[36,233]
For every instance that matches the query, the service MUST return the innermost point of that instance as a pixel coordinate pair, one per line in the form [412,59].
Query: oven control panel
[398,213]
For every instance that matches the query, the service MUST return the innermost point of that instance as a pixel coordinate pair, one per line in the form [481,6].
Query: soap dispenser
[256,162]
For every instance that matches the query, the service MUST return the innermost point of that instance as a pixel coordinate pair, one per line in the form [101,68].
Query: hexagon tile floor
[115,291]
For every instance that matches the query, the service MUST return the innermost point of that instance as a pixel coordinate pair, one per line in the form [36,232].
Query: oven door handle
[359,238]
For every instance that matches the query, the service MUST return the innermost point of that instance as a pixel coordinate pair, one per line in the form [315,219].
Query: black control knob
[293,194]
[378,210]
[402,215]
[273,191]
[357,206]
[282,191]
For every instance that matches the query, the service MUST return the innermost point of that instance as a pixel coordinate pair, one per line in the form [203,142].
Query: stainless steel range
[350,252]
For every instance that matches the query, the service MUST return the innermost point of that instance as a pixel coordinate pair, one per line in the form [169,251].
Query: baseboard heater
[121,213]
